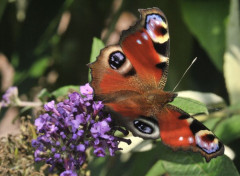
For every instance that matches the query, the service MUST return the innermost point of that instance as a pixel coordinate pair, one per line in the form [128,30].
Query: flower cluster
[69,128]
[10,97]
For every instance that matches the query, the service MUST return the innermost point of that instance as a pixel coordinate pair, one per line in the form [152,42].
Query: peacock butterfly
[129,78]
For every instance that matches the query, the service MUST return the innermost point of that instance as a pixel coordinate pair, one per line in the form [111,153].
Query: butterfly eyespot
[208,137]
[116,60]
[207,141]
[162,31]
[143,127]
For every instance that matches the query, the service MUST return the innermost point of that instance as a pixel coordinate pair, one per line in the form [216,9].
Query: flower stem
[29,104]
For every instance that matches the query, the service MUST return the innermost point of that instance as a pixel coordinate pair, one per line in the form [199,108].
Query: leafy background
[47,44]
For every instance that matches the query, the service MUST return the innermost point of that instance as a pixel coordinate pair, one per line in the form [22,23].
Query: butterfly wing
[179,130]
[122,73]
[147,46]
[138,64]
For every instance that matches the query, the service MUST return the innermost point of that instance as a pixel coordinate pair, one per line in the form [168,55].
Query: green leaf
[38,67]
[65,90]
[98,166]
[16,152]
[232,54]
[214,168]
[228,130]
[96,48]
[157,169]
[189,105]
[206,98]
[187,163]
[169,162]
[211,122]
[205,19]
[43,94]
[235,108]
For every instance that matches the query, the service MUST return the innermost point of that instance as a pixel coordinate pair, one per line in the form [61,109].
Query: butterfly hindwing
[179,130]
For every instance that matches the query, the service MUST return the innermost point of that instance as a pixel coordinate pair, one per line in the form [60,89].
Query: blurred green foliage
[31,40]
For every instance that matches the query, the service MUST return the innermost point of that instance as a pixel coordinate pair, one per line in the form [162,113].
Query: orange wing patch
[179,130]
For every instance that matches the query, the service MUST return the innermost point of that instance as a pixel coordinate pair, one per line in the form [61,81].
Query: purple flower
[100,151]
[49,106]
[86,90]
[41,121]
[10,97]
[99,129]
[81,147]
[68,173]
[34,143]
[70,127]
[97,106]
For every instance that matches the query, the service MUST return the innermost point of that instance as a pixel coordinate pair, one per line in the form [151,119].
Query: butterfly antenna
[194,60]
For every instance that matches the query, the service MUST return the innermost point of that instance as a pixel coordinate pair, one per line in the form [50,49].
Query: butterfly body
[129,78]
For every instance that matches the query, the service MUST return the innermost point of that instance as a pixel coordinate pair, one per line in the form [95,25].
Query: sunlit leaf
[206,98]
[201,168]
[235,108]
[43,94]
[232,54]
[232,72]
[189,105]
[38,67]
[157,169]
[96,47]
[229,152]
[63,91]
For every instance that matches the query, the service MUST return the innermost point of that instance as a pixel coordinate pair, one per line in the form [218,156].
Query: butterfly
[129,78]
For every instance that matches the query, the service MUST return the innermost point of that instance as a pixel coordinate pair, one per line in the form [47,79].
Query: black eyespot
[208,137]
[143,127]
[162,30]
[116,60]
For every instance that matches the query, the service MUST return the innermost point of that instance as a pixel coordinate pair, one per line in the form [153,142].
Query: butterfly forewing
[147,46]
